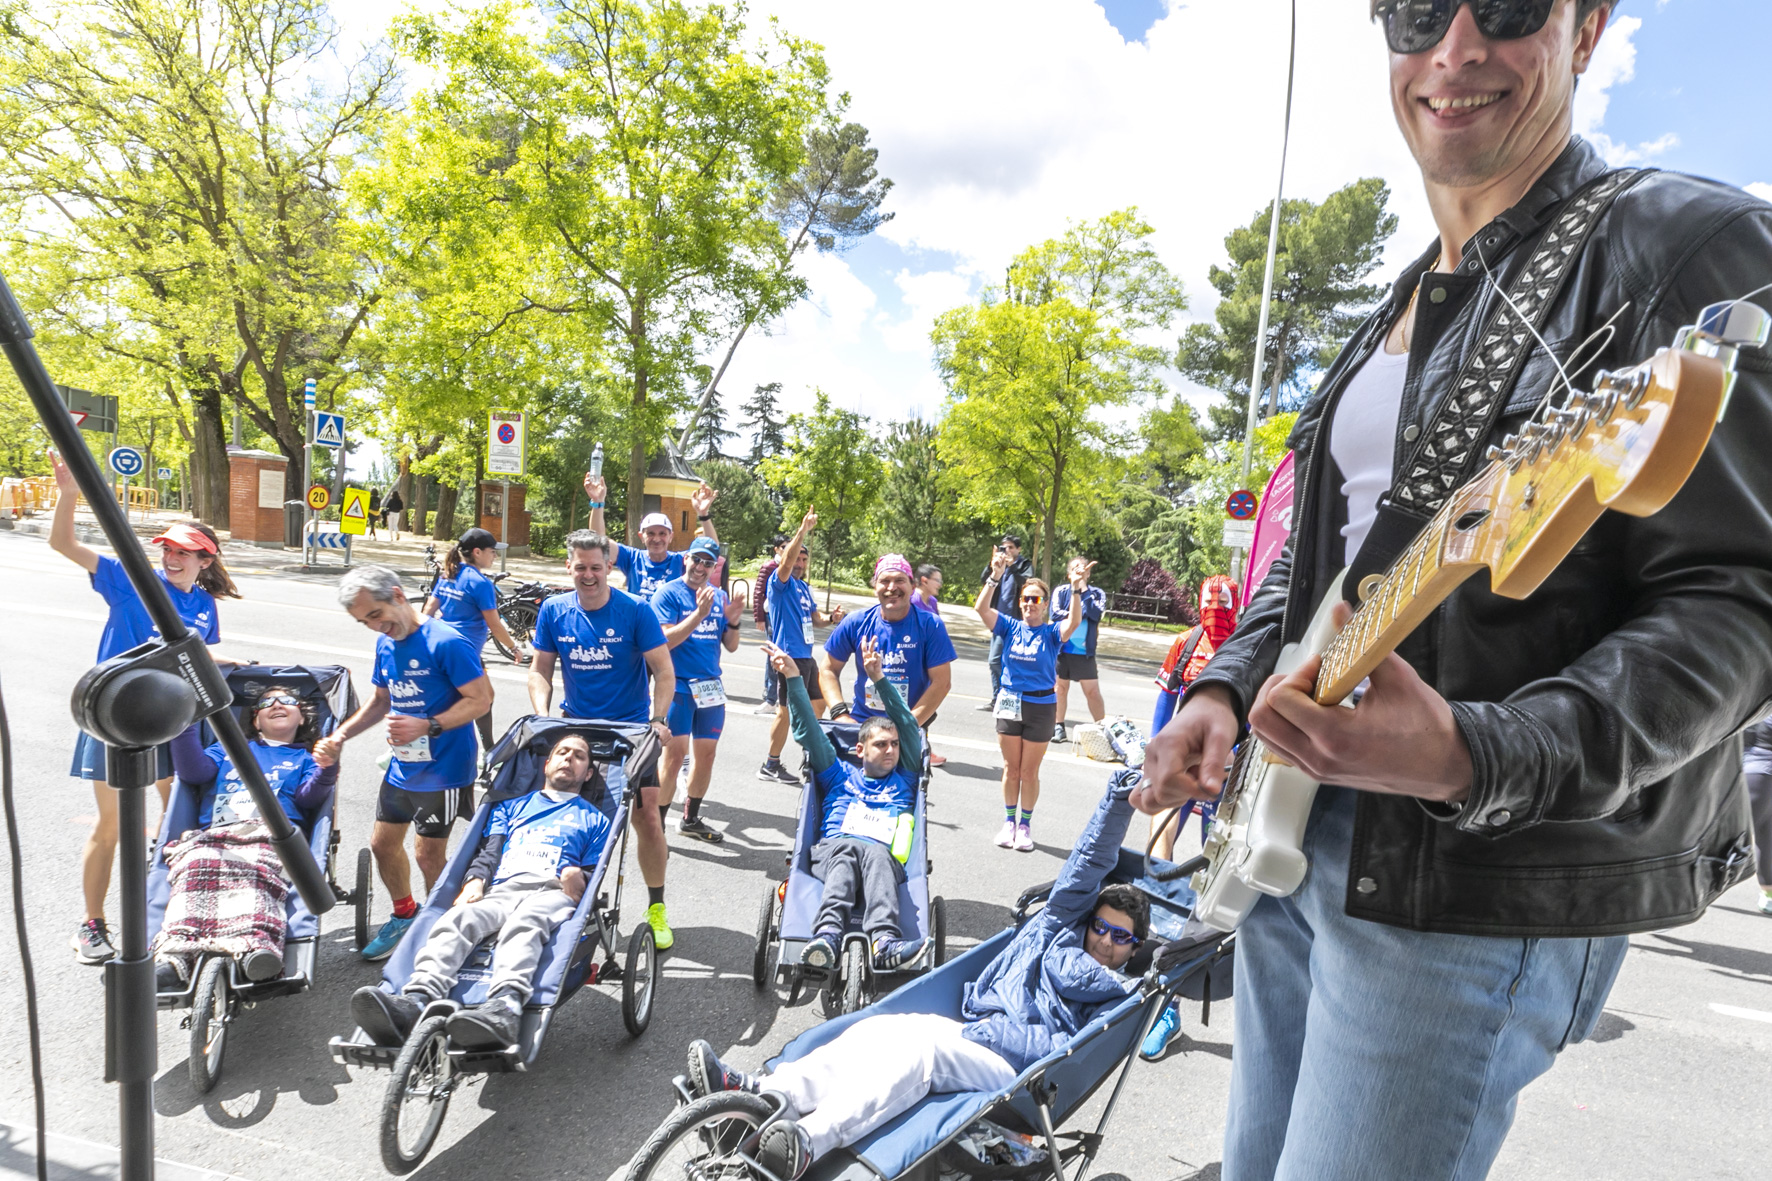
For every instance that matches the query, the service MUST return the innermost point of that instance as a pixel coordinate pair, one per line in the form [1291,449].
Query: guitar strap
[1447,452]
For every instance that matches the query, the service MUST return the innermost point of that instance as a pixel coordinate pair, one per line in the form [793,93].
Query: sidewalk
[73,1159]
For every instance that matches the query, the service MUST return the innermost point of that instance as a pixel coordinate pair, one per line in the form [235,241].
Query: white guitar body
[1256,840]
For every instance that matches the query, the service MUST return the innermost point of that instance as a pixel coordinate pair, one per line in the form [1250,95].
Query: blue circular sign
[507,433]
[127,461]
[1240,505]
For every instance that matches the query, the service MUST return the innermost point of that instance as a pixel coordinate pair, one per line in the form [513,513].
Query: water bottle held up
[597,462]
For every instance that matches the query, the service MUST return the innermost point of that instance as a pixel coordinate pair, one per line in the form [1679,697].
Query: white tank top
[1362,439]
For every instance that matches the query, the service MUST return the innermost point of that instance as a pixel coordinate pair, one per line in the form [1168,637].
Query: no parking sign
[504,443]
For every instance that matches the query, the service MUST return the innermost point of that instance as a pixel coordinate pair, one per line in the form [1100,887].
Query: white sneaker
[1765,901]
[1006,838]
[1024,840]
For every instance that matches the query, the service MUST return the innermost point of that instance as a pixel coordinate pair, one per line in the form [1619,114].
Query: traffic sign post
[126,462]
[1240,505]
[506,452]
[353,517]
[319,497]
[307,471]
[329,430]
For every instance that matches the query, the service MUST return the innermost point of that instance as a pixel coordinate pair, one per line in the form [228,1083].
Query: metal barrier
[330,540]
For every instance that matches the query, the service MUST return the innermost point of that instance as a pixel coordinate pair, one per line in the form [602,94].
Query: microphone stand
[132,703]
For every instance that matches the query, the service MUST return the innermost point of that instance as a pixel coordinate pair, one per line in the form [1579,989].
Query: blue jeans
[771,684]
[1369,1051]
[996,663]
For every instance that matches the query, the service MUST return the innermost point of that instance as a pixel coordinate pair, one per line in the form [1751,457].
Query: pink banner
[1273,525]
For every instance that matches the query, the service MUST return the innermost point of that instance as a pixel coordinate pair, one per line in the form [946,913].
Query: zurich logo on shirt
[1026,646]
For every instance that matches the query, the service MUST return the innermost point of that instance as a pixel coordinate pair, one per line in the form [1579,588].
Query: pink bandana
[891,564]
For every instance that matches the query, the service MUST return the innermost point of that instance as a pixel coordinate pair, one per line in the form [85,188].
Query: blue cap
[705,545]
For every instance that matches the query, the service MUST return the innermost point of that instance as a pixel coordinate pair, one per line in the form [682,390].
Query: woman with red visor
[191,569]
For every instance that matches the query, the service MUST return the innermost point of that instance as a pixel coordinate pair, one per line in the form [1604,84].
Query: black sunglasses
[1120,935]
[271,699]
[1414,26]
[702,560]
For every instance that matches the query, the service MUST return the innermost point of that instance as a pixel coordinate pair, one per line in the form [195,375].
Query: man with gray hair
[430,686]
[607,643]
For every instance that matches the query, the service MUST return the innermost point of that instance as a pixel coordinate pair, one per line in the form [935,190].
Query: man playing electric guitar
[1525,782]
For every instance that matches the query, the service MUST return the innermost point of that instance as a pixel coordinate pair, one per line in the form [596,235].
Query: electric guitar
[1627,445]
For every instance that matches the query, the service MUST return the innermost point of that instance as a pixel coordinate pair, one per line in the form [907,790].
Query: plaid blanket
[227,897]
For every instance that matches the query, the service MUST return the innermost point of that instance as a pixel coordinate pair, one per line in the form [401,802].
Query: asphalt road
[1672,1085]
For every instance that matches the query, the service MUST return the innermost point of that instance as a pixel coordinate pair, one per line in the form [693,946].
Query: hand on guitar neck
[1402,739]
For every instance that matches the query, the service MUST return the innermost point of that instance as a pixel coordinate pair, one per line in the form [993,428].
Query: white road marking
[1745,1014]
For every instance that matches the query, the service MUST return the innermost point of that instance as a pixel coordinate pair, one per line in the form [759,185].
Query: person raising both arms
[430,686]
[192,572]
[608,643]
[466,600]
[648,569]
[793,613]
[1027,701]
[698,620]
[1524,783]
[913,647]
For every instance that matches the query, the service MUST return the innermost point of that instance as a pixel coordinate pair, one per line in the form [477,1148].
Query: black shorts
[1037,722]
[1074,666]
[431,813]
[809,673]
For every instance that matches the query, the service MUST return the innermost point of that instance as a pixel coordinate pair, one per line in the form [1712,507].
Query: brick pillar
[255,497]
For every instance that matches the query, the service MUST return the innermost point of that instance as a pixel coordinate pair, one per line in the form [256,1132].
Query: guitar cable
[27,970]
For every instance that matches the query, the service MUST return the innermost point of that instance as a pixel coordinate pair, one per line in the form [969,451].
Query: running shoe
[821,952]
[765,710]
[785,1150]
[1161,1034]
[1766,901]
[892,954]
[92,942]
[493,1024]
[1024,840]
[987,707]
[387,1017]
[167,977]
[386,939]
[1058,734]
[708,1075]
[661,930]
[701,830]
[774,772]
[936,760]
[1006,835]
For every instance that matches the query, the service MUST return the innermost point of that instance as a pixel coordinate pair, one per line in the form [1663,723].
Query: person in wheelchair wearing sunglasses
[1515,793]
[1062,968]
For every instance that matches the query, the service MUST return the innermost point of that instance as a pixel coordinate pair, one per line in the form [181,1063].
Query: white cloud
[1762,191]
[1614,63]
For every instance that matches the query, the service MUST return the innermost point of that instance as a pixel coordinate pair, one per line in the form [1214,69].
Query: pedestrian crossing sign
[329,429]
[354,516]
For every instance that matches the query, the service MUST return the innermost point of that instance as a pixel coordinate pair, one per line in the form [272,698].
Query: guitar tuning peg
[1494,454]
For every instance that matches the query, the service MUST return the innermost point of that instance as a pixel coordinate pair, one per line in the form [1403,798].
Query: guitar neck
[1418,581]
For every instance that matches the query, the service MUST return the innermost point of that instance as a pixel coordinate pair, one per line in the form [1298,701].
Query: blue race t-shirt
[1030,658]
[908,650]
[643,574]
[698,657]
[1082,641]
[128,624]
[544,836]
[602,654]
[225,799]
[792,609]
[423,675]
[465,599]
[845,784]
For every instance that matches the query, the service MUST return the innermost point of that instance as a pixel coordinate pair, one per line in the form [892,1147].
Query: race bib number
[537,855]
[873,693]
[806,632]
[876,824]
[706,694]
[1008,706]
[236,805]
[416,751]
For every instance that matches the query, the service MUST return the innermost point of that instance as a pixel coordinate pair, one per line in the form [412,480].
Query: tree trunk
[636,506]
[420,506]
[209,457]
[1049,526]
[447,497]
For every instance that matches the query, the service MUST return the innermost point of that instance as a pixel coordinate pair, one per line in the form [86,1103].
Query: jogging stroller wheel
[938,931]
[699,1140]
[765,939]
[212,1008]
[360,897]
[639,981]
[418,1097]
[855,977]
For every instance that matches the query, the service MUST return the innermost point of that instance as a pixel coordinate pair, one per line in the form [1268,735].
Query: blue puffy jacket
[1034,997]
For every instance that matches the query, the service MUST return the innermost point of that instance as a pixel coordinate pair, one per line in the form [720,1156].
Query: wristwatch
[436,727]
[661,720]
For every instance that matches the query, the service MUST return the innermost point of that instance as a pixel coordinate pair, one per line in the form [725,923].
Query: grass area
[1146,625]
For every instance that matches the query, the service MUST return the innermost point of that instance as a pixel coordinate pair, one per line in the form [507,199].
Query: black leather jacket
[1603,714]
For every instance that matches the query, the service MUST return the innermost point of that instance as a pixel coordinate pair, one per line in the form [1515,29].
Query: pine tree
[709,434]
[762,417]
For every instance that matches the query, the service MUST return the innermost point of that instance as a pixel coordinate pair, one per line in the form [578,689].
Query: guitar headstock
[1627,444]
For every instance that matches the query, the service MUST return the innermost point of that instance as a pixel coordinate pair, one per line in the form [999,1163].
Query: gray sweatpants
[853,871]
[522,914]
[1759,795]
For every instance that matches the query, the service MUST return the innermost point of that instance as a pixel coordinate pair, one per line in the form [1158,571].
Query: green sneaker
[661,930]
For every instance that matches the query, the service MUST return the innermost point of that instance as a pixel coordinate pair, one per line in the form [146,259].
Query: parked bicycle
[517,605]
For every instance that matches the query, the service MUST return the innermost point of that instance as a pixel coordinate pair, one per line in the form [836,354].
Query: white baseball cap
[655,519]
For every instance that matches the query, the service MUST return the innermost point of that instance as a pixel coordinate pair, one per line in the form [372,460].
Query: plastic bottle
[901,838]
[597,460]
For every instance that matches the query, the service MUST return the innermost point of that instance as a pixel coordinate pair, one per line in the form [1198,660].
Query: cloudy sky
[1001,120]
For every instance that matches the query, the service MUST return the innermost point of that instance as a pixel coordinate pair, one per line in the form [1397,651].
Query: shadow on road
[1739,962]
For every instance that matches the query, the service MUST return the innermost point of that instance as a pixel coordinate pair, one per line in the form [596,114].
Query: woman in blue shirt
[192,572]
[1027,702]
[467,601]
[280,733]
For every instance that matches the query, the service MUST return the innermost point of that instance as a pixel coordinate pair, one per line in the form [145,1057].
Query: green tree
[1032,371]
[1215,475]
[762,417]
[743,512]
[633,146]
[1325,251]
[707,435]
[832,466]
[918,513]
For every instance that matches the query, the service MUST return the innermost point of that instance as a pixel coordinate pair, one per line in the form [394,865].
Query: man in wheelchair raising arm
[526,879]
[862,809]
[1058,973]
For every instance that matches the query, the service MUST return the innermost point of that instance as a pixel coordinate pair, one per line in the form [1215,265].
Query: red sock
[405,908]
